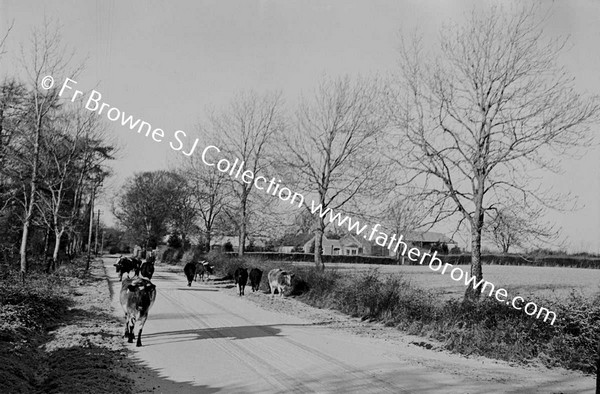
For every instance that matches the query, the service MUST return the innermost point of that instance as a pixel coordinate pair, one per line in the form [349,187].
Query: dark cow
[190,272]
[203,267]
[280,280]
[127,264]
[255,277]
[147,268]
[241,278]
[137,297]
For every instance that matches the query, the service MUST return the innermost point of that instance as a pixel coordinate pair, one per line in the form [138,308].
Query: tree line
[52,158]
[453,136]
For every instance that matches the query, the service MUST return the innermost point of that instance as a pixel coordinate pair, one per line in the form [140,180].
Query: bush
[317,285]
[169,255]
[174,241]
[193,254]
[225,264]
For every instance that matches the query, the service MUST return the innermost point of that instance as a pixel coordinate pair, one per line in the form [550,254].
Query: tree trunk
[183,241]
[208,237]
[24,238]
[46,242]
[242,241]
[33,192]
[319,265]
[58,235]
[472,294]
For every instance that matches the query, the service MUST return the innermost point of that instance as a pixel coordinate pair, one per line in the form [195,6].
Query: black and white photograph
[300,196]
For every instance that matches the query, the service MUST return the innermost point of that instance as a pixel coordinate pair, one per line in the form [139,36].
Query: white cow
[280,280]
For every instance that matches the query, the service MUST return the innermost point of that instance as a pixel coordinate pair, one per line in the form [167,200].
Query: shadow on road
[237,332]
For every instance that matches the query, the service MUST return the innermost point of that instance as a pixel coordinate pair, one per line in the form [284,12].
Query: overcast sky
[165,62]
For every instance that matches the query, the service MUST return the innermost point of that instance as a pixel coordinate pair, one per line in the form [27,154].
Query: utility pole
[97,229]
[89,245]
[102,244]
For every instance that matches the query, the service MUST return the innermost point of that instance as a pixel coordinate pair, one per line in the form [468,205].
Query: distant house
[426,240]
[351,244]
[331,245]
[292,242]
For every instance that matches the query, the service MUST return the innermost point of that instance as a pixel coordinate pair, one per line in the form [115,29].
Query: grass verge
[488,328]
[54,338]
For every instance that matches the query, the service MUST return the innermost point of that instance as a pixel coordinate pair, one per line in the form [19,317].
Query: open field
[550,282]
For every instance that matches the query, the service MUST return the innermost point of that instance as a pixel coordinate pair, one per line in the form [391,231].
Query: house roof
[354,241]
[326,241]
[295,239]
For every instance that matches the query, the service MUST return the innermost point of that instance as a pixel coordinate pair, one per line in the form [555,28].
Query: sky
[168,62]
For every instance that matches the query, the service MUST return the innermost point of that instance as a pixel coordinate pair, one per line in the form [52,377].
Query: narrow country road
[207,340]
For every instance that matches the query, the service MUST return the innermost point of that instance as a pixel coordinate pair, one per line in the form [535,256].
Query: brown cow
[137,297]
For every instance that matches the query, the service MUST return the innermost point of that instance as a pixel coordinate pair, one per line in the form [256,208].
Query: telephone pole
[97,230]
[102,244]
[89,245]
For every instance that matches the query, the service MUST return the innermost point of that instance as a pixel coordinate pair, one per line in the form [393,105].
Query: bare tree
[405,213]
[207,187]
[478,116]
[508,228]
[46,58]
[332,151]
[69,153]
[245,131]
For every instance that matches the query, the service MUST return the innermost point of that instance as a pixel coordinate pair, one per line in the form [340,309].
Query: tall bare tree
[74,149]
[245,131]
[478,115]
[405,213]
[46,57]
[207,187]
[332,150]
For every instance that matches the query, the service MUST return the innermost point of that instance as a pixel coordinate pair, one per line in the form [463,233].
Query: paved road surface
[206,340]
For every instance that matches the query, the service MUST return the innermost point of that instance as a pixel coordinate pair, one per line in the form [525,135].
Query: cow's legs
[131,328]
[141,323]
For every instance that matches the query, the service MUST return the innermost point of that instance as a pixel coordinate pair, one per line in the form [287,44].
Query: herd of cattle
[138,293]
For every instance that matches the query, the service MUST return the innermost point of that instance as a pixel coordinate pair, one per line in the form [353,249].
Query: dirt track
[207,339]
